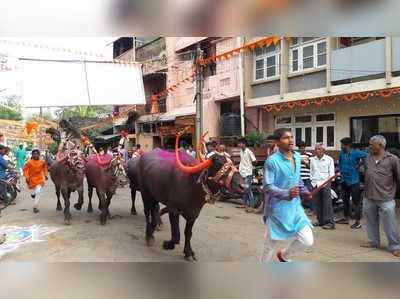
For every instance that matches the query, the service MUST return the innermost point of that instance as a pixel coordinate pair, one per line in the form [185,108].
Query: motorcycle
[256,188]
[12,187]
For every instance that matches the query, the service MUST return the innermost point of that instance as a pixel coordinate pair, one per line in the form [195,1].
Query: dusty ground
[222,233]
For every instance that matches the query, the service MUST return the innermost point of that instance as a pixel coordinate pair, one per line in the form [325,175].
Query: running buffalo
[67,175]
[106,174]
[183,185]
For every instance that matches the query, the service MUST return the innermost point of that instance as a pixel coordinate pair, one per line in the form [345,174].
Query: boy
[35,172]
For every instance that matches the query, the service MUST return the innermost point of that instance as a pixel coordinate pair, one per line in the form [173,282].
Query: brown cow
[67,175]
[106,174]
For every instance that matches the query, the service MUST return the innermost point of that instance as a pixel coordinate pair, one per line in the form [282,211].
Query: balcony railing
[358,61]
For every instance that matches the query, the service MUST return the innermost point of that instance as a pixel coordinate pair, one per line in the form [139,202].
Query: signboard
[67,83]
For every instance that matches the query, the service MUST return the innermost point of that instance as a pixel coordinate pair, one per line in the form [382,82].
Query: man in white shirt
[322,167]
[247,162]
[211,149]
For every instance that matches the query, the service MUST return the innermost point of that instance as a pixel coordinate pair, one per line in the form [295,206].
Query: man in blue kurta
[284,215]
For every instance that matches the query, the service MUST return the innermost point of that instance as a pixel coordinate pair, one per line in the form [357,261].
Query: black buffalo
[183,185]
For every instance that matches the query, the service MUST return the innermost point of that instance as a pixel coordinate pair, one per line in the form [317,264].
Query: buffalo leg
[58,193]
[109,196]
[79,204]
[158,219]
[67,215]
[103,202]
[150,211]
[133,198]
[175,233]
[188,236]
[90,194]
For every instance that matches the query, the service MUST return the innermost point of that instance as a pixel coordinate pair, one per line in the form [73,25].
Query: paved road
[222,233]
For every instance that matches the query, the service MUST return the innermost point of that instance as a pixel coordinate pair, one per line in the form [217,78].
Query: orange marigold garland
[385,93]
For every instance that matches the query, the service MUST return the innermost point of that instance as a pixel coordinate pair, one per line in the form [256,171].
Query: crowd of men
[294,180]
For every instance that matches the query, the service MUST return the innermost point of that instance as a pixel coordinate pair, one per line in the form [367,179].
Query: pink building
[168,60]
[221,81]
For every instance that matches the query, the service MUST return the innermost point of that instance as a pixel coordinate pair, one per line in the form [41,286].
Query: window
[311,128]
[283,120]
[266,62]
[225,82]
[295,60]
[363,128]
[303,119]
[307,53]
[308,57]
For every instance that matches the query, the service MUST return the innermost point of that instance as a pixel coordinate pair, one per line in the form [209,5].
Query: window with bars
[307,53]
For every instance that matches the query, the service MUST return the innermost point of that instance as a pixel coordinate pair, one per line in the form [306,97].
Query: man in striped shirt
[305,172]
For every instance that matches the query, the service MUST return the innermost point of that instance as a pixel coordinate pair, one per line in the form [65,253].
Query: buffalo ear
[202,175]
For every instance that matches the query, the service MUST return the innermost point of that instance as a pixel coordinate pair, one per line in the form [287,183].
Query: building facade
[167,61]
[343,85]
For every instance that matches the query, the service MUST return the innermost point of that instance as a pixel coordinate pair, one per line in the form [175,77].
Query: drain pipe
[241,88]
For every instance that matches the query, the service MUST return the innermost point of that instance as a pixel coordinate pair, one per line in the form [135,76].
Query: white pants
[36,192]
[303,239]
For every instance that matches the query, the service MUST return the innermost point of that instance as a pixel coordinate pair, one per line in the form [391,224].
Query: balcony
[153,55]
[358,62]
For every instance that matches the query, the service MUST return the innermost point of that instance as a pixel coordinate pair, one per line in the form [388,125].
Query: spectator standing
[349,162]
[190,151]
[211,148]
[21,157]
[246,166]
[305,172]
[138,152]
[222,151]
[382,174]
[322,167]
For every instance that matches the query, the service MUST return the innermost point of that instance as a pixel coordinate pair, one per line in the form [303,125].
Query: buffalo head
[217,171]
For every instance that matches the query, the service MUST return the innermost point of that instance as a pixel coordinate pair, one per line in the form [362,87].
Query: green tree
[45,115]
[10,109]
[84,111]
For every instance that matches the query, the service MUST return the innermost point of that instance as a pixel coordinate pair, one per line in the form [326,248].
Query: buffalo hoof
[159,227]
[78,206]
[168,245]
[90,209]
[59,208]
[133,212]
[150,242]
[103,220]
[67,221]
[190,257]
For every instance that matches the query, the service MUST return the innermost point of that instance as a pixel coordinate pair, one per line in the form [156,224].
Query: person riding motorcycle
[4,165]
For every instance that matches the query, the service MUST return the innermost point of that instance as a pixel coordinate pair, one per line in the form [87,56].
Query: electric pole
[199,94]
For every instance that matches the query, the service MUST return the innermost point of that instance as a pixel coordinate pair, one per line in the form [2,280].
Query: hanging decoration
[361,96]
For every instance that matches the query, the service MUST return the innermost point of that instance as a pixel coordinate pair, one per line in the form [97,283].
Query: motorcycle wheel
[11,195]
[258,198]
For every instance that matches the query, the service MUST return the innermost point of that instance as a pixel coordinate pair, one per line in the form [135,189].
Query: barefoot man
[35,172]
[285,216]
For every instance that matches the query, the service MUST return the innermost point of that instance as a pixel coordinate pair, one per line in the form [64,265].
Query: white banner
[59,84]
